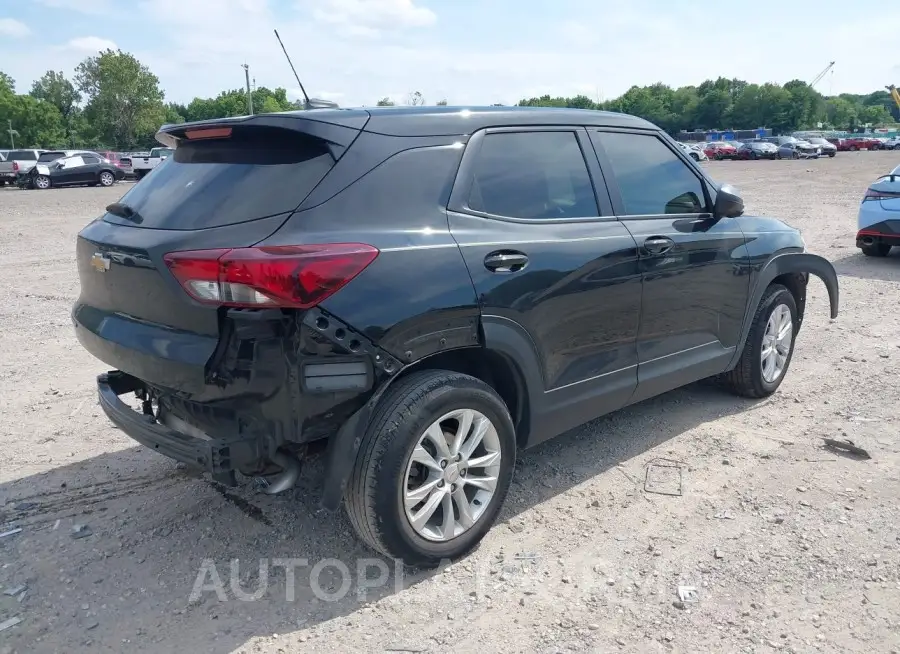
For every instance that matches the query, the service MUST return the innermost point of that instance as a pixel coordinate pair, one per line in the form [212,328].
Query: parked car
[141,166]
[693,151]
[79,170]
[798,150]
[862,143]
[757,150]
[825,148]
[429,309]
[17,161]
[120,160]
[892,143]
[878,221]
[718,150]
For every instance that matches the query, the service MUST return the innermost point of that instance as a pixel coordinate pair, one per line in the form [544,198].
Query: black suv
[432,289]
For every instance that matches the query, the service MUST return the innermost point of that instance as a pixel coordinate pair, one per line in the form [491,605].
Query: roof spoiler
[339,128]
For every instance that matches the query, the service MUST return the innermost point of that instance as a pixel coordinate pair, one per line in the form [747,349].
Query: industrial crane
[819,77]
[894,94]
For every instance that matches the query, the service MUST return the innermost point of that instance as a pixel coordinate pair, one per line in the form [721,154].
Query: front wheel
[433,469]
[42,182]
[695,156]
[769,347]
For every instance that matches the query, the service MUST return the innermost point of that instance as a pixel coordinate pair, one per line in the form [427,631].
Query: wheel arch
[507,361]
[791,269]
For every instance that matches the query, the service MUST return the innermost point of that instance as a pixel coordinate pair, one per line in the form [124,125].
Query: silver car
[825,148]
[798,150]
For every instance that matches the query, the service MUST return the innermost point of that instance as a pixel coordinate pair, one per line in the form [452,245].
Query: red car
[718,150]
[854,143]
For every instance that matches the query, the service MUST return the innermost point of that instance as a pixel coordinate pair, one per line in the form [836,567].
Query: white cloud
[92,7]
[13,28]
[371,17]
[90,44]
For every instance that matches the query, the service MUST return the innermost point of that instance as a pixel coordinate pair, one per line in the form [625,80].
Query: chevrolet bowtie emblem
[100,262]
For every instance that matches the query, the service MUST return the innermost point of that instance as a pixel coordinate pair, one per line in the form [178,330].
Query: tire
[107,178]
[379,480]
[139,175]
[853,148]
[795,155]
[41,182]
[876,250]
[747,378]
[778,156]
[694,156]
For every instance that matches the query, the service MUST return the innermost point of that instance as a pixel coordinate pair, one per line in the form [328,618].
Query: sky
[468,52]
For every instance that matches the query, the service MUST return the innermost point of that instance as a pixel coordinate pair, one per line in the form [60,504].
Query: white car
[694,151]
[141,166]
[878,222]
[892,143]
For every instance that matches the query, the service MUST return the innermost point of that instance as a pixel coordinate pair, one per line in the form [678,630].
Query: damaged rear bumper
[218,457]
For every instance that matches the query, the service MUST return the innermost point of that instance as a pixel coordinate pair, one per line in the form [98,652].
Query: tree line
[114,101]
[736,104]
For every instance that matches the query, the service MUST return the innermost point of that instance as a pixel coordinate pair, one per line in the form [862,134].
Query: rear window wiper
[124,211]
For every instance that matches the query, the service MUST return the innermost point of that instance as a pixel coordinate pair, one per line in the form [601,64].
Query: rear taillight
[284,276]
[872,195]
[15,166]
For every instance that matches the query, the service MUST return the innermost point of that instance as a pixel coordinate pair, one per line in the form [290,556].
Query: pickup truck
[143,165]
[17,161]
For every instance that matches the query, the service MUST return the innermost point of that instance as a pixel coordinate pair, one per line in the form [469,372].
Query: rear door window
[256,173]
[533,175]
[652,179]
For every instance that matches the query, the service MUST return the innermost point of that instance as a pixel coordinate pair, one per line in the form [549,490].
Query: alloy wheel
[452,475]
[776,343]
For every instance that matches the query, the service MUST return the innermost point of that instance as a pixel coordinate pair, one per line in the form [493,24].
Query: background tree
[54,88]
[124,101]
[415,99]
[442,103]
[385,102]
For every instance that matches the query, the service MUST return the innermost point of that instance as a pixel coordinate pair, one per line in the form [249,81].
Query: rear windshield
[21,155]
[257,173]
[50,156]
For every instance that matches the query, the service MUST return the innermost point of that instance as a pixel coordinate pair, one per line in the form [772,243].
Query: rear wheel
[433,469]
[139,174]
[876,250]
[769,347]
[107,178]
[853,148]
[42,182]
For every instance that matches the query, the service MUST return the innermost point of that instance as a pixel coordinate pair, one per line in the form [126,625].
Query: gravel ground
[789,546]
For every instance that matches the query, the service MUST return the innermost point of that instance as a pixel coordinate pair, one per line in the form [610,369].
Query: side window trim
[613,185]
[465,177]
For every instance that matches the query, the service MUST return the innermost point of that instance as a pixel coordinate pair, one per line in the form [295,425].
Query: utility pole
[12,134]
[249,95]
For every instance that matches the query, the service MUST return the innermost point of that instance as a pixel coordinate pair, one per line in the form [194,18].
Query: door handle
[505,261]
[658,244]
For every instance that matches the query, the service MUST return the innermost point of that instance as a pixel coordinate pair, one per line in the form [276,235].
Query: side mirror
[728,203]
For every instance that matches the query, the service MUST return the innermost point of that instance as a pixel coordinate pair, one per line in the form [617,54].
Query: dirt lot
[790,546]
